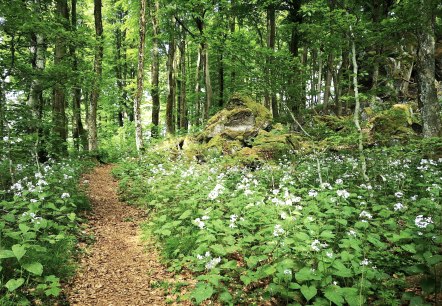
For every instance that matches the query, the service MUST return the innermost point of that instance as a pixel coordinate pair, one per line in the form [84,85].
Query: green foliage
[275,233]
[38,228]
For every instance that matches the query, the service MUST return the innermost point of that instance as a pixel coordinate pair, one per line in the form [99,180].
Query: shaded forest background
[74,75]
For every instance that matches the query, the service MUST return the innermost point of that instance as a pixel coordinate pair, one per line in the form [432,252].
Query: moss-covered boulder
[241,120]
[395,124]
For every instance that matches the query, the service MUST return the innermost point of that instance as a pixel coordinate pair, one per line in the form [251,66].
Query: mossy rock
[273,145]
[394,124]
[241,120]
[223,146]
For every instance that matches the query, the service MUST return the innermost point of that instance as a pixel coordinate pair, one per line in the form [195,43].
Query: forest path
[117,270]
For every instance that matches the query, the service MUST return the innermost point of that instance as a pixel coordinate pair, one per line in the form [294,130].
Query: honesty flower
[365,215]
[343,193]
[317,245]
[313,193]
[278,230]
[212,263]
[399,194]
[216,192]
[365,262]
[288,272]
[398,206]
[339,181]
[199,223]
[65,195]
[422,222]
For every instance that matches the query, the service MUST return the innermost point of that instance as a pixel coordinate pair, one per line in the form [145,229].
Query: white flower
[275,191]
[296,199]
[199,223]
[207,254]
[343,193]
[200,257]
[422,222]
[339,181]
[398,206]
[278,230]
[325,186]
[288,272]
[398,194]
[33,200]
[205,218]
[365,262]
[365,215]
[329,254]
[351,233]
[216,192]
[212,263]
[414,198]
[313,193]
[283,215]
[5,138]
[65,195]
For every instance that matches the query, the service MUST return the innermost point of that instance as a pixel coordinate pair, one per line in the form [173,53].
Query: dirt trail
[117,269]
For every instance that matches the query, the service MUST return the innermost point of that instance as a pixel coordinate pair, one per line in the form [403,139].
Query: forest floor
[118,268]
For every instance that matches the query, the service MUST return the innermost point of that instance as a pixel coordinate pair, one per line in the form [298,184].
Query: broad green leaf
[245,279]
[19,251]
[23,227]
[308,292]
[409,248]
[13,284]
[35,268]
[306,274]
[6,254]
[72,216]
[218,249]
[54,291]
[334,295]
[185,214]
[202,292]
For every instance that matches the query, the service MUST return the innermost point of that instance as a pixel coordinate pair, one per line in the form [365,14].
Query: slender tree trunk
[271,37]
[59,100]
[208,83]
[155,70]
[183,121]
[78,132]
[328,79]
[140,75]
[170,125]
[119,50]
[198,87]
[221,79]
[92,124]
[319,84]
[232,31]
[425,64]
[357,110]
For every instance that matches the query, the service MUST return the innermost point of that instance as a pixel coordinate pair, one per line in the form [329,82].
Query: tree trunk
[78,132]
[155,70]
[59,122]
[92,124]
[271,37]
[140,75]
[425,64]
[208,83]
[357,110]
[198,87]
[119,66]
[328,79]
[319,83]
[183,121]
[170,125]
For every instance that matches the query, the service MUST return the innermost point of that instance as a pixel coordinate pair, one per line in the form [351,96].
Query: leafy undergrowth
[276,235]
[38,228]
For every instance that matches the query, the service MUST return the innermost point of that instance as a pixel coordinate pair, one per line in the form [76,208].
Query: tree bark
[170,124]
[59,121]
[208,83]
[92,124]
[140,75]
[78,132]
[319,83]
[271,37]
[198,87]
[155,70]
[328,79]
[425,64]
[183,121]
[357,110]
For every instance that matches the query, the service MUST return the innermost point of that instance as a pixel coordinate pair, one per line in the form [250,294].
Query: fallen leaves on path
[117,269]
